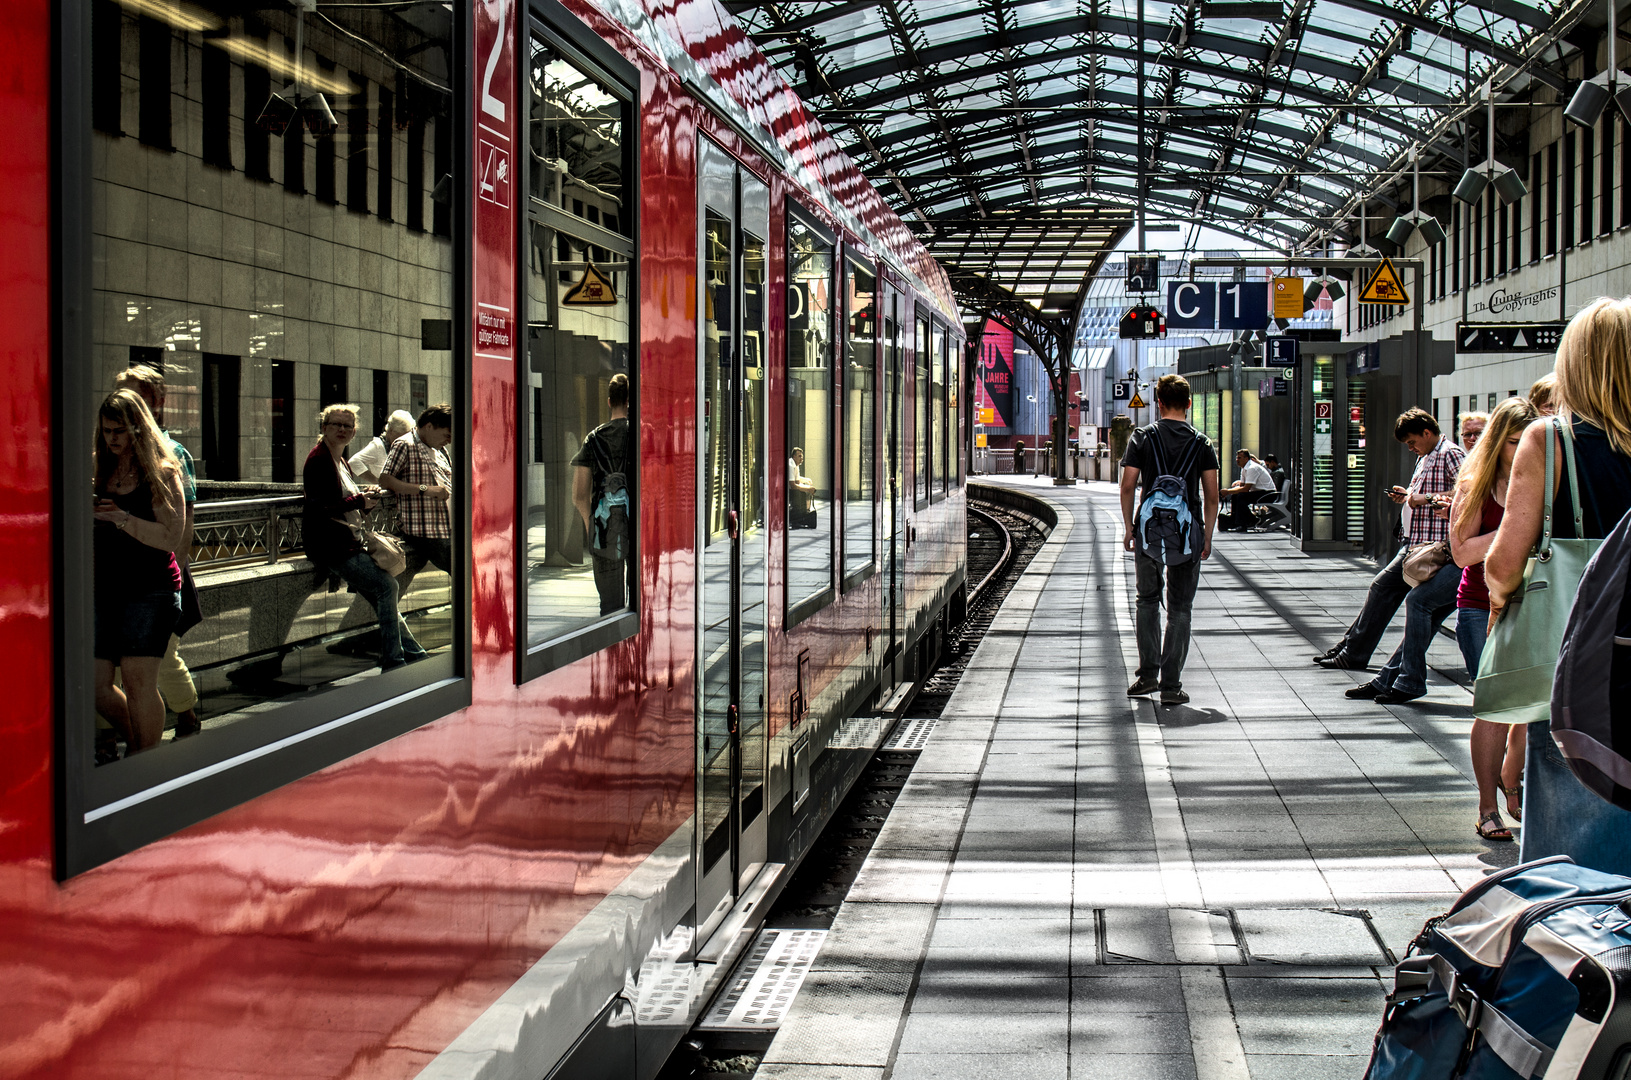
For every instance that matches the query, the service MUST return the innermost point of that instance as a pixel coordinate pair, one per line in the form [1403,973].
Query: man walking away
[1255,485]
[1173,466]
[1438,462]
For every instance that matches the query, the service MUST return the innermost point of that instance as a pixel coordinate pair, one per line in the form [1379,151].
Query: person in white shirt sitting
[1255,485]
[367,463]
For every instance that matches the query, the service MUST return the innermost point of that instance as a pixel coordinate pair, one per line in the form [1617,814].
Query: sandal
[1491,827]
[1514,800]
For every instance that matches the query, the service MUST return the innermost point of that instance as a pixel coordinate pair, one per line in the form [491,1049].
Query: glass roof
[1014,122]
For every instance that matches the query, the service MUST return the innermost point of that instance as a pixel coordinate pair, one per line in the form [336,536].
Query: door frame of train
[894,481]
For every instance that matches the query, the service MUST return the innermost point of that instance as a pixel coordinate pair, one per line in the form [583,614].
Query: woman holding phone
[141,519]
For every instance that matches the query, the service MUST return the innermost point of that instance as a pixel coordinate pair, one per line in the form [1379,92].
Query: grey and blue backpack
[1166,526]
[1591,690]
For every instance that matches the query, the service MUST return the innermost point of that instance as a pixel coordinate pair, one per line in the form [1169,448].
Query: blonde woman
[1475,514]
[1560,815]
[1541,393]
[332,496]
[141,521]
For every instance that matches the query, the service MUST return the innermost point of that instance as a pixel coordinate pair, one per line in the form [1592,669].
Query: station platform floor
[1078,884]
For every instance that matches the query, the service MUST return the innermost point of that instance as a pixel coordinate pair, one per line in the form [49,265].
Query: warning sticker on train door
[1384,286]
[593,288]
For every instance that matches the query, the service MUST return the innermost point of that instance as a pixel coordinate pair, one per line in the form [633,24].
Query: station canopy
[1009,134]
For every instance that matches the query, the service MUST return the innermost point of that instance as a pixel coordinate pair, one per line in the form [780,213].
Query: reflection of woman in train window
[800,494]
[141,518]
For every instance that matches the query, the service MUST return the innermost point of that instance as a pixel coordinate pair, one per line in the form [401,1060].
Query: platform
[1077,885]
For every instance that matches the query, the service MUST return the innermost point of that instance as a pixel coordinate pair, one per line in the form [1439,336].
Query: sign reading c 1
[1192,305]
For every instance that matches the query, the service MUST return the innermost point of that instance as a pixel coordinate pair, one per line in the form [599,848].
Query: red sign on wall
[495,232]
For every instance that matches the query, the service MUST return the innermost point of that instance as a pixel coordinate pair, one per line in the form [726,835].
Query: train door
[733,533]
[894,526]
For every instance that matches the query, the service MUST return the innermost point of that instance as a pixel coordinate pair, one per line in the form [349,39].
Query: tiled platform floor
[1076,885]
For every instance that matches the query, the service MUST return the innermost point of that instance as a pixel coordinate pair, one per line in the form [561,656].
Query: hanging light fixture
[1415,221]
[1591,97]
[1508,184]
[291,106]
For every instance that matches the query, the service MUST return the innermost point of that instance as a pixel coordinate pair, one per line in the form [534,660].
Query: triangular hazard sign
[1137,402]
[592,289]
[1385,286]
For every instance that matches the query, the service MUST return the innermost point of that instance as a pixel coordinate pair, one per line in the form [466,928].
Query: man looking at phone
[1438,460]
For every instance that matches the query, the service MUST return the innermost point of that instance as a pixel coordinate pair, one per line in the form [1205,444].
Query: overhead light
[1590,99]
[1401,230]
[279,112]
[1334,290]
[1470,188]
[319,118]
[1509,185]
[1405,225]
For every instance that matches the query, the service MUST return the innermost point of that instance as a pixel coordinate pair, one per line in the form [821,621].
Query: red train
[655,620]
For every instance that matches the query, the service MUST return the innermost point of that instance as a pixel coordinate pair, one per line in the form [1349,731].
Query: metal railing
[248,532]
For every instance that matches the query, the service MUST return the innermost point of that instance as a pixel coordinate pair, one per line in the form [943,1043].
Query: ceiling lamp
[1416,221]
[1508,184]
[1591,97]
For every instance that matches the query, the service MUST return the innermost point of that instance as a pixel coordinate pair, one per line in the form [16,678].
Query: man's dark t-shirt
[1175,436]
[606,450]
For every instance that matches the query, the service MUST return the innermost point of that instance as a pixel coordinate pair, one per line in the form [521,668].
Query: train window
[810,449]
[860,417]
[920,414]
[238,337]
[580,462]
[937,410]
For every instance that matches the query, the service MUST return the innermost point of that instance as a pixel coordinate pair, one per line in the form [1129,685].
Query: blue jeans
[1471,630]
[379,589]
[1561,816]
[1425,607]
[1387,591]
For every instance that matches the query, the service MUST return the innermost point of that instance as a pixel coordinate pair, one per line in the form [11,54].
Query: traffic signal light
[1143,321]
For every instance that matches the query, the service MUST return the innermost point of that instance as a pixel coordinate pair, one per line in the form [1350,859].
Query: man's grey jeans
[1156,657]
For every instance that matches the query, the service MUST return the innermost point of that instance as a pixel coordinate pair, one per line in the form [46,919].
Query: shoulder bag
[1515,676]
[1423,561]
[386,551]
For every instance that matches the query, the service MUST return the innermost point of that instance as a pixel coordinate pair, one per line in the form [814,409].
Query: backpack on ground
[1527,975]
[613,510]
[1591,689]
[1166,527]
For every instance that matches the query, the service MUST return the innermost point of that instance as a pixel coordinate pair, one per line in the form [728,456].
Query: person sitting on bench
[1255,485]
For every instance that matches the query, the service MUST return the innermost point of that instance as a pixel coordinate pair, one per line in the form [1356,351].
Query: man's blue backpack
[1527,975]
[1166,527]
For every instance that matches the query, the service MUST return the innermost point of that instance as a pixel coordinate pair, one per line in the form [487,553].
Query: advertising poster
[997,371]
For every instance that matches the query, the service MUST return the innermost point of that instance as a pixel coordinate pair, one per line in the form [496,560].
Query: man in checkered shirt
[417,470]
[1431,485]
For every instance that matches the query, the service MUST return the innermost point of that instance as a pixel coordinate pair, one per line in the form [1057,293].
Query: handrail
[231,533]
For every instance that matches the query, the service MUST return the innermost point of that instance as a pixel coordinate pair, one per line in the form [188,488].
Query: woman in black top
[141,519]
[1561,816]
[334,503]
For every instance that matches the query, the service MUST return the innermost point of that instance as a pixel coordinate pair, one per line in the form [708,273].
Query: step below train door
[733,533]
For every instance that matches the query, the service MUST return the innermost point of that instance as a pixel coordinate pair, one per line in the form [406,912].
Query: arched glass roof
[1007,132]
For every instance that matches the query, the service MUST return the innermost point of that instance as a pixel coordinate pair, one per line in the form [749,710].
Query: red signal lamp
[1143,321]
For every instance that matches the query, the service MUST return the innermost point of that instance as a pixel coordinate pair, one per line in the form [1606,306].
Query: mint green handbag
[1515,675]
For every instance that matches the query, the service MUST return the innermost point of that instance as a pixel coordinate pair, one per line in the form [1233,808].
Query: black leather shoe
[1363,691]
[1328,653]
[1340,662]
[1388,697]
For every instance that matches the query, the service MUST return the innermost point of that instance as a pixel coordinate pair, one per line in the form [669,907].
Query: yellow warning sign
[1288,298]
[1137,402]
[980,440]
[987,415]
[591,289]
[1384,287]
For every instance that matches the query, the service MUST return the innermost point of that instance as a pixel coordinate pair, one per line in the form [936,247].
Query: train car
[579,301]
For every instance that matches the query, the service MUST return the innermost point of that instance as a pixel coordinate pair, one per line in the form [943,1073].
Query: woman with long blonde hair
[1475,515]
[1561,816]
[141,519]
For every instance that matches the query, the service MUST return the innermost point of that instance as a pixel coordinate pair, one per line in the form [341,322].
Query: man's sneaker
[1362,692]
[1143,686]
[1328,653]
[1341,662]
[1174,697]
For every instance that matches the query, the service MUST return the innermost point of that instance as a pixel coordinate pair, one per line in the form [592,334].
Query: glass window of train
[920,415]
[938,359]
[810,449]
[579,510]
[241,336]
[860,417]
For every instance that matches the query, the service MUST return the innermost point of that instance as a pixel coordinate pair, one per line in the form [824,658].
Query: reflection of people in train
[800,494]
[175,681]
[334,512]
[600,491]
[141,519]
[367,463]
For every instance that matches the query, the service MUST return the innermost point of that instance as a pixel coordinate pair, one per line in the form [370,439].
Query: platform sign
[1508,337]
[1243,305]
[1273,386]
[1365,359]
[986,415]
[1192,305]
[980,440]
[1288,298]
[1384,287]
[1121,391]
[1282,352]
